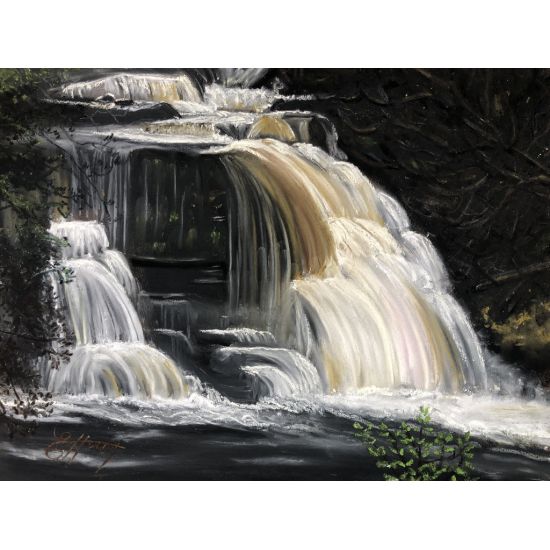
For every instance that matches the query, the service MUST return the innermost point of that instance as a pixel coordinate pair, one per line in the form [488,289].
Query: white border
[342,33]
[294,33]
[267,515]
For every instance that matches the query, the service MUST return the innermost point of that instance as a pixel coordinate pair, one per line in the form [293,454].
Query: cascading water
[370,309]
[243,78]
[136,87]
[317,256]
[327,292]
[110,357]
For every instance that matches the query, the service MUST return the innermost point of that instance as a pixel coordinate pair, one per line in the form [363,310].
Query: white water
[244,336]
[238,99]
[364,300]
[116,263]
[137,87]
[507,421]
[119,368]
[280,372]
[100,310]
[367,308]
[82,238]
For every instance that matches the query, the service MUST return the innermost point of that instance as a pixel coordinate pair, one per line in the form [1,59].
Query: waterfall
[368,308]
[272,127]
[111,357]
[98,305]
[270,372]
[116,263]
[243,78]
[329,289]
[239,99]
[81,238]
[120,368]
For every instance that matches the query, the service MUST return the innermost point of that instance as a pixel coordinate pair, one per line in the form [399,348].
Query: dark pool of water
[213,452]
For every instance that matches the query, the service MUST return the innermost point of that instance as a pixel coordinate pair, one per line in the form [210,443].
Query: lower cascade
[323,286]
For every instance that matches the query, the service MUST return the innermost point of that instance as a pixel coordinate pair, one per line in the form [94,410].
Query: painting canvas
[274,274]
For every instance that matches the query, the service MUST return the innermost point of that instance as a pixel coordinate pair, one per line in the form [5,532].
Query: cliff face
[467,153]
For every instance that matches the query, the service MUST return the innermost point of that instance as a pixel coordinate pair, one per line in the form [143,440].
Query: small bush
[416,451]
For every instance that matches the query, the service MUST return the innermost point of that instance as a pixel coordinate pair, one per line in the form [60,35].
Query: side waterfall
[110,357]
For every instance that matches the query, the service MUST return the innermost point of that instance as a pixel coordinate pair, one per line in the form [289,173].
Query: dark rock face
[107,111]
[467,153]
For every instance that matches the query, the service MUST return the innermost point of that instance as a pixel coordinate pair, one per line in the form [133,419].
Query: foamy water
[509,421]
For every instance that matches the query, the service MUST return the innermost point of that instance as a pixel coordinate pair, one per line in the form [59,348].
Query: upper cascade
[135,87]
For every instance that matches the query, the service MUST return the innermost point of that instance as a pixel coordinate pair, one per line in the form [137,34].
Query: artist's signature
[66,447]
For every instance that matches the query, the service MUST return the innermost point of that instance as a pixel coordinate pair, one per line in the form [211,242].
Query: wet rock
[120,112]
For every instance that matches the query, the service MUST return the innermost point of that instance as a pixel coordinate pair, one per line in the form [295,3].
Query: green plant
[416,451]
[215,237]
[32,329]
[159,247]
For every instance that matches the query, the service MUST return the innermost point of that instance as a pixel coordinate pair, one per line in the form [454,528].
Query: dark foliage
[31,328]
